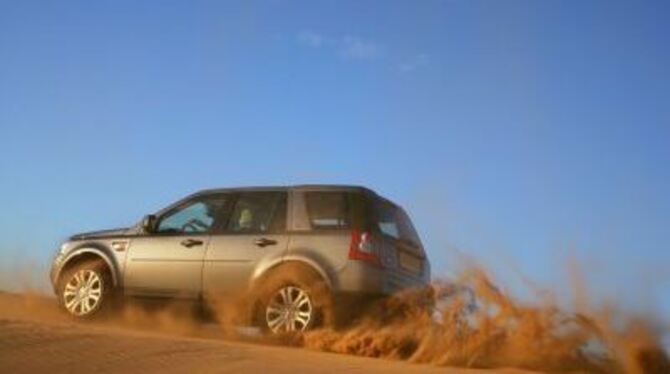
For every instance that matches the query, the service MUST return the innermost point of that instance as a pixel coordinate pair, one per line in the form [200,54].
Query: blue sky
[522,133]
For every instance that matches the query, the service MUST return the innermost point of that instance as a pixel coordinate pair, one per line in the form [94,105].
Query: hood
[101,234]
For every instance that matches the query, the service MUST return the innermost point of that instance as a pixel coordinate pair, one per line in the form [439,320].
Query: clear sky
[522,133]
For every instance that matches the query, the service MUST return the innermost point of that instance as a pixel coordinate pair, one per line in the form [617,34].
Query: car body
[224,242]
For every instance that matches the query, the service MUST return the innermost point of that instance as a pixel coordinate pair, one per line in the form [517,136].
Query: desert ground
[35,337]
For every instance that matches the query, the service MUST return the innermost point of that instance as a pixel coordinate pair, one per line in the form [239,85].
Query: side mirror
[148,223]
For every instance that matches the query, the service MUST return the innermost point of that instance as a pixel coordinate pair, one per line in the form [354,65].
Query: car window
[257,212]
[194,217]
[327,210]
[394,222]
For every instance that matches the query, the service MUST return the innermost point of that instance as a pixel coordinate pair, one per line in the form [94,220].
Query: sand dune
[35,337]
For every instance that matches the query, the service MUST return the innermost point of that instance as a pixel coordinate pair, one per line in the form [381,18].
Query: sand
[35,337]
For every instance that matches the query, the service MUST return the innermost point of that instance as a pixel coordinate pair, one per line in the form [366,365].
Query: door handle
[188,243]
[263,242]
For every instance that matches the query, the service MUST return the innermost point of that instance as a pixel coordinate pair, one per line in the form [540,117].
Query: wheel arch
[263,271]
[89,252]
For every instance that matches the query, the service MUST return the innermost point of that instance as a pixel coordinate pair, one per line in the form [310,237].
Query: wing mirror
[148,223]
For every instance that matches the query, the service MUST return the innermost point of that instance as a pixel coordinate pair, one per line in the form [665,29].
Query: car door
[255,232]
[168,262]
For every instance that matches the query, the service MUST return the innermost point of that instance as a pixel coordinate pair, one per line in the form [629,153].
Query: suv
[295,253]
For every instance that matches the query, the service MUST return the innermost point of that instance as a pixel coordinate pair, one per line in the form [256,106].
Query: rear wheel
[289,310]
[85,289]
[294,299]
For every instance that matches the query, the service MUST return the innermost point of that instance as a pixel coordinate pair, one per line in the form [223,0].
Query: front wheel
[84,289]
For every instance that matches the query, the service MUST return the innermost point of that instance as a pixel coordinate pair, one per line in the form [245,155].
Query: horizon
[525,135]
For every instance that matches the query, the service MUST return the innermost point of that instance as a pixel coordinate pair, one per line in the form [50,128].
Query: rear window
[328,210]
[394,222]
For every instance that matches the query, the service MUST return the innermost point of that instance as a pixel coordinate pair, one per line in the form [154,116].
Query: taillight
[362,247]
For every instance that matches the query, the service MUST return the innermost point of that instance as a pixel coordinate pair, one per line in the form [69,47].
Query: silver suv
[296,255]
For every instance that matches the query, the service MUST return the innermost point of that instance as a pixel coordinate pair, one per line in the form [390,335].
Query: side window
[194,217]
[258,212]
[327,210]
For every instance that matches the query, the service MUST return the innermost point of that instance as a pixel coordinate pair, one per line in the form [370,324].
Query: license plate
[410,263]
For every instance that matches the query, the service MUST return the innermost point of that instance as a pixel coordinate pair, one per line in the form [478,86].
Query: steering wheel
[194,225]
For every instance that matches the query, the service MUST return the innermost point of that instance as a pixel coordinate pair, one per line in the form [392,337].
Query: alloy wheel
[83,292]
[289,310]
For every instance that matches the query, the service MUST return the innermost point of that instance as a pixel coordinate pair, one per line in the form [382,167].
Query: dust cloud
[470,322]
[464,322]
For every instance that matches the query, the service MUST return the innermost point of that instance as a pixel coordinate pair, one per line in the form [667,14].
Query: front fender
[97,250]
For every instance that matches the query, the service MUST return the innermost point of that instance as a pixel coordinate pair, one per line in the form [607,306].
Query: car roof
[300,187]
[331,187]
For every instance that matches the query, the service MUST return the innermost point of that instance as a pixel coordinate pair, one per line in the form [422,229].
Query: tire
[293,299]
[85,289]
